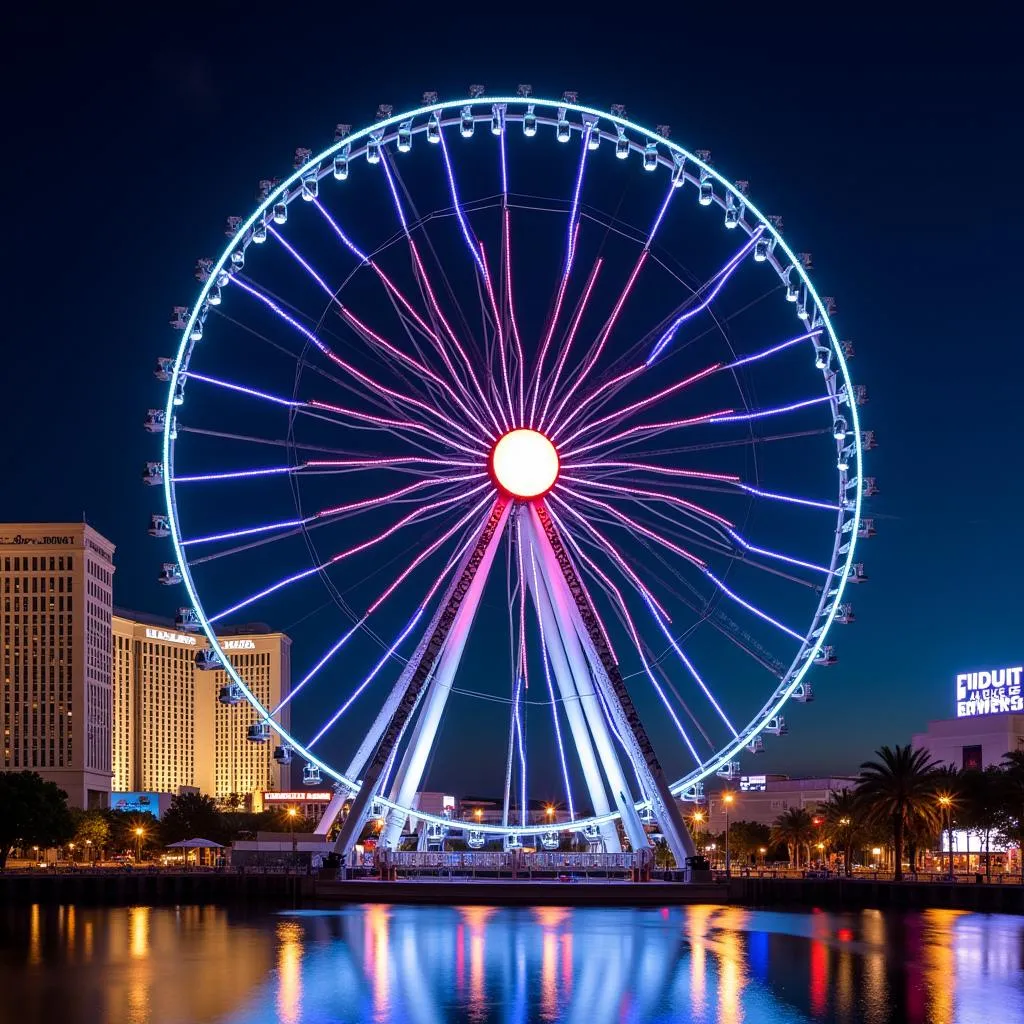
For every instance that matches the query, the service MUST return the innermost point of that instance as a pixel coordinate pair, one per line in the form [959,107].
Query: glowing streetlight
[292,815]
[876,852]
[478,813]
[549,811]
[727,799]
[946,802]
[139,833]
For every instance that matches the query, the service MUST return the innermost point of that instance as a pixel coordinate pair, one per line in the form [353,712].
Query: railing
[511,863]
[870,875]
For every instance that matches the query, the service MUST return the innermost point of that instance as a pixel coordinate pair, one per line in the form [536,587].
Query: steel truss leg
[567,687]
[561,570]
[587,697]
[444,648]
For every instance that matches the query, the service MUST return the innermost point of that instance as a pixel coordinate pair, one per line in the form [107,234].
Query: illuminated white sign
[753,783]
[174,638]
[238,645]
[298,798]
[992,692]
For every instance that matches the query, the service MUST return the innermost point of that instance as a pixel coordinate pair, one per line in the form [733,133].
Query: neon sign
[989,692]
[174,638]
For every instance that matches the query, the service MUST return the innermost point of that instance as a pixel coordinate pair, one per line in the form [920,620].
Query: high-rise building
[170,729]
[55,645]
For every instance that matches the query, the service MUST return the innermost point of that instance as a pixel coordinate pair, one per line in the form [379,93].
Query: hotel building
[55,647]
[171,731]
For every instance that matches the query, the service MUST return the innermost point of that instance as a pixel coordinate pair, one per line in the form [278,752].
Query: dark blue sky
[130,142]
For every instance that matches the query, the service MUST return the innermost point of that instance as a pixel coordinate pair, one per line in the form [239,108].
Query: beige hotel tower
[98,701]
[169,728]
[55,649]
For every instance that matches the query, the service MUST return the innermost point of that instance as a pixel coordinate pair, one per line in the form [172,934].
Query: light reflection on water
[431,965]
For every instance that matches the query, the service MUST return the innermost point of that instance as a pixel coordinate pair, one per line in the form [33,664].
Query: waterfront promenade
[115,887]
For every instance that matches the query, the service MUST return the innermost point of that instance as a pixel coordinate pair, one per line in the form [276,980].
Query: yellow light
[698,816]
[821,846]
[525,464]
[876,850]
[550,810]
[763,849]
[292,812]
[945,801]
[479,813]
[728,798]
[138,832]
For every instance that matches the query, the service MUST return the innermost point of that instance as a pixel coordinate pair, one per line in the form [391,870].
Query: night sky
[129,142]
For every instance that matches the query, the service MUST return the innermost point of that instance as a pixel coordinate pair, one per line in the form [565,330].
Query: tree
[843,824]
[793,828]
[746,838]
[92,830]
[192,816]
[33,812]
[981,810]
[1012,786]
[899,788]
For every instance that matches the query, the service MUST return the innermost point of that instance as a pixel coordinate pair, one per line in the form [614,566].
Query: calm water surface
[430,965]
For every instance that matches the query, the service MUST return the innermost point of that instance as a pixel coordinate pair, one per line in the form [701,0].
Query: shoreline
[125,888]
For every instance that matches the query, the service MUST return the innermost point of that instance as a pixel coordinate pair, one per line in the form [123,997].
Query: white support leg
[410,770]
[617,697]
[588,699]
[573,712]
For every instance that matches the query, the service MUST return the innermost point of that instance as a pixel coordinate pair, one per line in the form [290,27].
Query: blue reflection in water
[433,965]
[704,964]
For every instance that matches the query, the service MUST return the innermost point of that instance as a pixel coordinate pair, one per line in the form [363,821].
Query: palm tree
[844,824]
[795,828]
[1013,795]
[899,788]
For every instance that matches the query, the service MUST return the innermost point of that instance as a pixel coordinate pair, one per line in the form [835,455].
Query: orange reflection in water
[938,963]
[34,936]
[377,960]
[289,972]
[697,919]
[138,932]
[476,921]
[551,920]
[732,966]
[875,986]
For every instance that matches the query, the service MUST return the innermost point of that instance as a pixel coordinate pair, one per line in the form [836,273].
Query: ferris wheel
[533,431]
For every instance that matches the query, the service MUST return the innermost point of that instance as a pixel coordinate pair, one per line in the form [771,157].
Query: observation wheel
[533,433]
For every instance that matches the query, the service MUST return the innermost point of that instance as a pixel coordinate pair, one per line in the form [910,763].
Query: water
[430,965]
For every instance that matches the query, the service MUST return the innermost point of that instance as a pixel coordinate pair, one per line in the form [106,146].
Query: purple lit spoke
[404,521]
[708,292]
[366,682]
[591,425]
[363,378]
[752,608]
[830,506]
[632,524]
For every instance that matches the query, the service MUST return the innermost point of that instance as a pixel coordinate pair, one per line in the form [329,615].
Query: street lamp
[762,850]
[549,811]
[478,813]
[876,852]
[71,847]
[139,833]
[947,803]
[292,813]
[727,799]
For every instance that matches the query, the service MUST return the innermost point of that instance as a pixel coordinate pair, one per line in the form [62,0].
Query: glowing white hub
[525,464]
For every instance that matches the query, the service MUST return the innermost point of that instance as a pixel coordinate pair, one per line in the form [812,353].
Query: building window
[972,758]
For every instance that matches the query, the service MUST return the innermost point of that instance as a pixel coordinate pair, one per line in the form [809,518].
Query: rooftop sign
[989,692]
